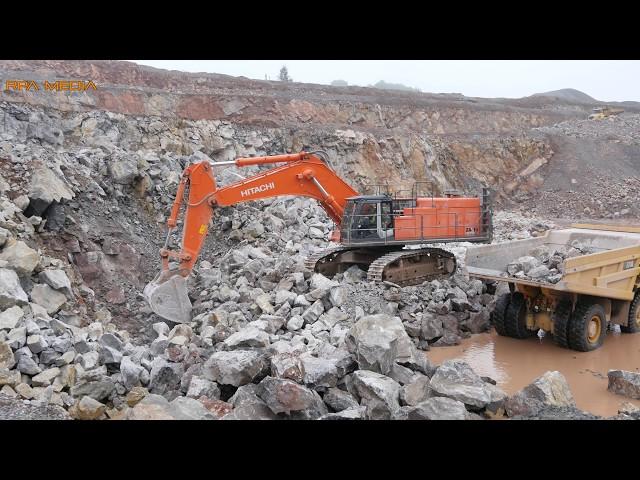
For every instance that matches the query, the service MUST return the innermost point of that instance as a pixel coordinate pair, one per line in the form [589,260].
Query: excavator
[372,230]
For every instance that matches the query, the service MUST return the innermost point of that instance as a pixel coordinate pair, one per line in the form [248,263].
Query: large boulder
[58,280]
[624,383]
[236,368]
[455,379]
[380,394]
[286,396]
[20,257]
[47,297]
[551,389]
[377,341]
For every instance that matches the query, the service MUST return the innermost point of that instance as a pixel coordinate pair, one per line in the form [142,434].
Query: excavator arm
[303,174]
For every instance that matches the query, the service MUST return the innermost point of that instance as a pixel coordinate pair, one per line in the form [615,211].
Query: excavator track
[402,267]
[323,256]
[412,267]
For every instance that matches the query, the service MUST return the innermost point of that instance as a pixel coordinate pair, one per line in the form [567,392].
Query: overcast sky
[606,80]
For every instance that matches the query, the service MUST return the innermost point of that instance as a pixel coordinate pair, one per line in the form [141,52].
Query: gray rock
[319,373]
[374,346]
[249,336]
[438,408]
[98,390]
[45,378]
[319,281]
[20,257]
[402,375]
[295,323]
[47,297]
[130,372]
[479,321]
[45,188]
[123,170]
[288,365]
[89,360]
[378,393]
[10,317]
[236,368]
[251,411]
[36,343]
[539,272]
[184,408]
[312,313]
[165,376]
[201,387]
[11,292]
[431,327]
[551,389]
[28,366]
[286,396]
[339,400]
[623,382]
[455,379]
[355,413]
[17,338]
[416,391]
[58,280]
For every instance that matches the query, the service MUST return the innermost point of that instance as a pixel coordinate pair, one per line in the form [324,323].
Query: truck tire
[560,320]
[587,327]
[515,320]
[499,312]
[634,316]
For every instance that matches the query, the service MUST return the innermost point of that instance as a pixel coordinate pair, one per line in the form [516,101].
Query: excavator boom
[303,174]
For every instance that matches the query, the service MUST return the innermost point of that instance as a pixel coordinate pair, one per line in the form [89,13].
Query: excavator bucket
[169,298]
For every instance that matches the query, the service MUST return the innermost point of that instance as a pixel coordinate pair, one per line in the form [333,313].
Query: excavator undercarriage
[391,264]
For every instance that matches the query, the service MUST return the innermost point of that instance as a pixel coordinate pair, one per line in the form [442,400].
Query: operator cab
[367,219]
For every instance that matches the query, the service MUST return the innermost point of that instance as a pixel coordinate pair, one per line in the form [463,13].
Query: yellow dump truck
[600,113]
[593,292]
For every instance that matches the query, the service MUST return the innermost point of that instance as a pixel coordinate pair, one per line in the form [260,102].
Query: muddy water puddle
[514,364]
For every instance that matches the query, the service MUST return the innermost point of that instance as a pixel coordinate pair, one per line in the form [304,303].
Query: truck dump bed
[610,271]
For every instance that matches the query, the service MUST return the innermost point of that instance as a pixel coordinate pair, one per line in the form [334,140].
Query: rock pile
[544,264]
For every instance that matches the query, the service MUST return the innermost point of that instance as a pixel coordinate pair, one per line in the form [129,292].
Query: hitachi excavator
[372,230]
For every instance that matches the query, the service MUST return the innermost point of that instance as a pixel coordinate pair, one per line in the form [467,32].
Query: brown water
[514,364]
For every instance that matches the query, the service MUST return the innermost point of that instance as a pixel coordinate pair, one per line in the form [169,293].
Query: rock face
[551,389]
[625,383]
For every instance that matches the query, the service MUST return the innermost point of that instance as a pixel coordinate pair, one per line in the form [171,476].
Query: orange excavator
[372,230]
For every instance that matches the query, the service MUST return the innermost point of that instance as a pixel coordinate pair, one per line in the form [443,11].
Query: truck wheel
[587,327]
[515,320]
[560,320]
[499,312]
[634,316]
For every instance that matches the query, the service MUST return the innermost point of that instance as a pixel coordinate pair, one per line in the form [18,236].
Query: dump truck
[594,291]
[600,113]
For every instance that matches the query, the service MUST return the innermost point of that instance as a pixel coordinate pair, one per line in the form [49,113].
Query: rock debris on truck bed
[544,263]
